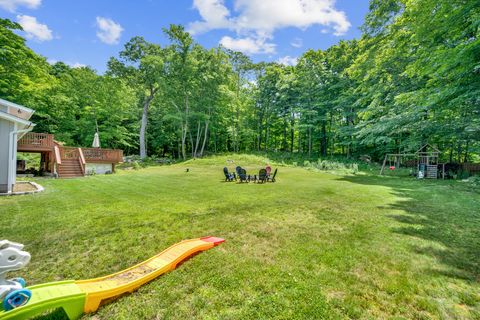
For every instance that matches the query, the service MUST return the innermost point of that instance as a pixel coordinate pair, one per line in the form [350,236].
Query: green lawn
[310,246]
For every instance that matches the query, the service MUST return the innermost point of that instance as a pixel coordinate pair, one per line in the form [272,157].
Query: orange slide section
[128,280]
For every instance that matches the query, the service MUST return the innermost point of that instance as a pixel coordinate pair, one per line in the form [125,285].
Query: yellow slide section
[128,280]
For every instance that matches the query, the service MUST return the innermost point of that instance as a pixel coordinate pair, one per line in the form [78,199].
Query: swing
[391,167]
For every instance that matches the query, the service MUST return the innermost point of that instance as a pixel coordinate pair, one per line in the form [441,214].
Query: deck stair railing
[81,160]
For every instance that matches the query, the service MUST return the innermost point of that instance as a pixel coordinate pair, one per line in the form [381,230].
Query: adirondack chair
[243,175]
[269,170]
[229,176]
[272,178]
[238,169]
[262,176]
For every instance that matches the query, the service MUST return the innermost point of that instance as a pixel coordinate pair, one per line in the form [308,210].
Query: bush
[474,181]
[135,165]
[332,165]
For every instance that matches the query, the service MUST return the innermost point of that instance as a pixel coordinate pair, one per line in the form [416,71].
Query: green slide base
[49,296]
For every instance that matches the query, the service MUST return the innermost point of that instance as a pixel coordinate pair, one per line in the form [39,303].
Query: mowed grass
[310,246]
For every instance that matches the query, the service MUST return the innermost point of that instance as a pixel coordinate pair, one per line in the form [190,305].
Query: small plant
[136,165]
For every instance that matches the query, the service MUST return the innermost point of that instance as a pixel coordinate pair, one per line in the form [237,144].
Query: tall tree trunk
[267,132]
[323,141]
[144,123]
[191,142]
[300,147]
[465,158]
[235,131]
[184,138]
[260,132]
[459,151]
[309,141]
[292,132]
[204,138]
[197,139]
[332,142]
[179,146]
[185,128]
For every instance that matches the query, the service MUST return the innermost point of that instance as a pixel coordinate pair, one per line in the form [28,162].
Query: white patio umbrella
[96,141]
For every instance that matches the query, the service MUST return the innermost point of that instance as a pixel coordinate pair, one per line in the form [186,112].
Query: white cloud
[288,61]
[256,21]
[69,63]
[248,45]
[214,13]
[297,43]
[109,31]
[34,29]
[76,64]
[11,5]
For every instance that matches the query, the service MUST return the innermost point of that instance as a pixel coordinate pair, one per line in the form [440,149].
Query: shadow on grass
[438,211]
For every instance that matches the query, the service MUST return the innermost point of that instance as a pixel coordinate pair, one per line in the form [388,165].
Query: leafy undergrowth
[310,246]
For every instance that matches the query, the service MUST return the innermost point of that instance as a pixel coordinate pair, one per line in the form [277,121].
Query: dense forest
[412,78]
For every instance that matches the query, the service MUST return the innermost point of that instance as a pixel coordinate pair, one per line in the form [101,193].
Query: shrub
[332,165]
[135,165]
[474,181]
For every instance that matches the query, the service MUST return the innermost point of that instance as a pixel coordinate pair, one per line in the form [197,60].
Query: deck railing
[102,155]
[69,153]
[35,141]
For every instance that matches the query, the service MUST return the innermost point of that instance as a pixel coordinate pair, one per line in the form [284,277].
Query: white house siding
[5,128]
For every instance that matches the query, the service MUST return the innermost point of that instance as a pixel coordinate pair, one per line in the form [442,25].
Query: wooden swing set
[425,162]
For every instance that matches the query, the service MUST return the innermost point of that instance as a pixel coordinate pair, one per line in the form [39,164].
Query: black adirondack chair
[272,178]
[238,170]
[242,174]
[262,176]
[229,176]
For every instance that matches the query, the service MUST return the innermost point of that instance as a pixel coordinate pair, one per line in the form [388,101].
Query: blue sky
[88,32]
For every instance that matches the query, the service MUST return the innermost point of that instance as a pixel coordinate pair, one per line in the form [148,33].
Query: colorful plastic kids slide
[77,297]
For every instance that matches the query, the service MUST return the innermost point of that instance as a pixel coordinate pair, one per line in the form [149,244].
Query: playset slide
[77,297]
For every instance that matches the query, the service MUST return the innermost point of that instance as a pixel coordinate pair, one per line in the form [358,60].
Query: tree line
[412,78]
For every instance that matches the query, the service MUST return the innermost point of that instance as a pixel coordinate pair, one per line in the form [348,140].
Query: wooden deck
[33,141]
[44,142]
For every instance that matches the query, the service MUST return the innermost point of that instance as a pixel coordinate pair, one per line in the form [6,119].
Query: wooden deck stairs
[69,168]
